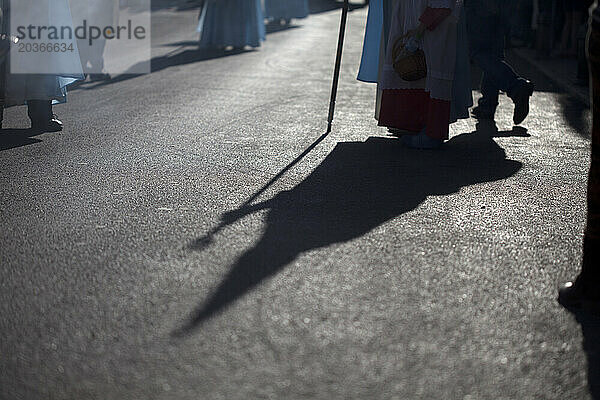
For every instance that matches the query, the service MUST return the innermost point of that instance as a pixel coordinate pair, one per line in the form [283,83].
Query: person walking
[420,109]
[37,90]
[285,10]
[488,22]
[231,23]
[584,292]
[103,13]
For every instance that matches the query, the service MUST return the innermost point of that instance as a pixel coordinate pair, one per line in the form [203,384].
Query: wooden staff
[338,64]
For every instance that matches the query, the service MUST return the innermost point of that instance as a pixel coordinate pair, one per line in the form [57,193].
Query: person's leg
[490,92]
[40,114]
[488,53]
[487,36]
[488,102]
[519,89]
[436,129]
[576,22]
[2,90]
[482,41]
[565,36]
[585,291]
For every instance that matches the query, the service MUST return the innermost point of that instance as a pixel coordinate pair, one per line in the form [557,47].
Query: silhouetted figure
[285,10]
[488,23]
[585,291]
[583,295]
[421,107]
[231,23]
[38,91]
[102,14]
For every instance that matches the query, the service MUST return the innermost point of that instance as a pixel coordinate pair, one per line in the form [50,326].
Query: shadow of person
[590,327]
[357,187]
[13,138]
[172,59]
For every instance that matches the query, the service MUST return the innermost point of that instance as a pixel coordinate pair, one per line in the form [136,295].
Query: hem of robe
[413,110]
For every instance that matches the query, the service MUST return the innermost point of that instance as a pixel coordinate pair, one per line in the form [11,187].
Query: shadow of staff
[357,187]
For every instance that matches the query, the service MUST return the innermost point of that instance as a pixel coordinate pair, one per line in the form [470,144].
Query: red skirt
[414,110]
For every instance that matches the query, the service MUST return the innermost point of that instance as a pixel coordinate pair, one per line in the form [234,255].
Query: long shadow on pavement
[172,59]
[590,327]
[13,138]
[359,186]
[177,58]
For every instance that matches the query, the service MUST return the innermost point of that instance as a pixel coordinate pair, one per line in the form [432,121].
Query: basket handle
[399,45]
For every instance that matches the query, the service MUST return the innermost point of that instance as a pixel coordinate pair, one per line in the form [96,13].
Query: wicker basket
[410,66]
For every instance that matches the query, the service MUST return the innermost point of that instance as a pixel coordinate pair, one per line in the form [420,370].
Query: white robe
[41,75]
[438,45]
[100,13]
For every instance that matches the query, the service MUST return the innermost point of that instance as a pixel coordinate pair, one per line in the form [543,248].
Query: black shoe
[574,295]
[482,113]
[53,125]
[520,96]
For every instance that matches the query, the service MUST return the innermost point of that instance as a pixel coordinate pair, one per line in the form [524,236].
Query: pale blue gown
[23,85]
[235,23]
[369,63]
[286,9]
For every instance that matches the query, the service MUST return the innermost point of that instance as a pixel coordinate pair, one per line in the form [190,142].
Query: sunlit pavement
[134,267]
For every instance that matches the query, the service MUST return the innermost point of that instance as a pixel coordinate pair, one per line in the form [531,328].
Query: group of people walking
[418,108]
[41,90]
[240,23]
[449,33]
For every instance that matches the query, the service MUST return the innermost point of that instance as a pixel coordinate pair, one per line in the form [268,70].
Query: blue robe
[369,63]
[44,75]
[286,9]
[236,23]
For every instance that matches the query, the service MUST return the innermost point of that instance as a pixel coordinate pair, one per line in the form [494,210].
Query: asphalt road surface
[144,255]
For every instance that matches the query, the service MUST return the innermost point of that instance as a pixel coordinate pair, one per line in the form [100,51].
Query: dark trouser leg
[590,273]
[586,290]
[489,94]
[487,36]
[39,111]
[2,90]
